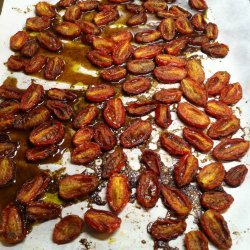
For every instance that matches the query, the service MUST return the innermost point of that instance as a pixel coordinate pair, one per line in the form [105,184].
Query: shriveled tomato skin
[195,70]
[148,190]
[54,68]
[218,109]
[231,93]
[16,63]
[115,113]
[30,48]
[136,85]
[88,5]
[224,127]
[167,28]
[198,139]
[215,227]
[211,176]
[114,74]
[140,66]
[67,229]
[7,122]
[35,64]
[169,74]
[8,108]
[122,36]
[45,9]
[196,240]
[148,36]
[219,201]
[167,229]
[217,82]
[12,225]
[134,8]
[136,134]
[230,149]
[147,51]
[212,31]
[47,134]
[141,108]
[72,13]
[176,46]
[18,40]
[185,170]
[192,116]
[100,58]
[102,221]
[82,135]
[122,52]
[32,96]
[215,50]
[154,6]
[168,96]
[184,26]
[74,186]
[7,170]
[179,11]
[103,44]
[137,19]
[198,21]
[163,116]
[34,188]
[177,201]
[85,153]
[59,109]
[174,144]
[85,116]
[168,60]
[236,175]
[68,29]
[40,153]
[198,40]
[33,118]
[49,41]
[152,160]
[90,29]
[7,92]
[42,211]
[104,136]
[38,23]
[106,16]
[118,192]
[65,3]
[198,4]
[113,162]
[61,94]
[194,92]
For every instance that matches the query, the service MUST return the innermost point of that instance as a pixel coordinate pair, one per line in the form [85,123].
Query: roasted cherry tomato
[216,229]
[136,134]
[118,192]
[185,170]
[47,134]
[85,153]
[67,229]
[174,144]
[102,221]
[148,189]
[114,113]
[75,186]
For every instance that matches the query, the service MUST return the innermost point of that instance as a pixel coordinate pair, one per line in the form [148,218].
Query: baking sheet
[233,19]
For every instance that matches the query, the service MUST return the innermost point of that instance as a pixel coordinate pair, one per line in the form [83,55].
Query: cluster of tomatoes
[44,115]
